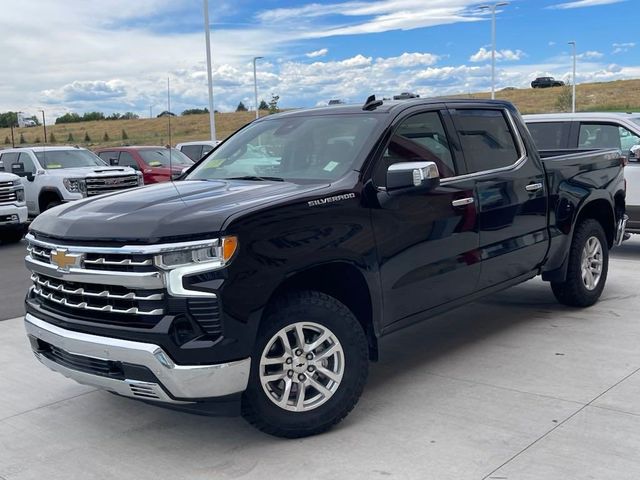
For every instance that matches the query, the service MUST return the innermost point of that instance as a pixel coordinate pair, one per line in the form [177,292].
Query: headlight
[212,251]
[20,195]
[75,185]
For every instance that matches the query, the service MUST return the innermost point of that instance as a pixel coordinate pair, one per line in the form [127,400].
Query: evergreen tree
[87,138]
[22,140]
[70,138]
[241,107]
[124,135]
[52,138]
[105,137]
[7,141]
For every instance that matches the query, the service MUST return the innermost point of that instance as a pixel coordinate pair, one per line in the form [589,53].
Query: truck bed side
[581,183]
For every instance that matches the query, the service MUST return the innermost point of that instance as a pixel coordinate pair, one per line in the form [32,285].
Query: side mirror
[412,177]
[114,161]
[634,153]
[18,169]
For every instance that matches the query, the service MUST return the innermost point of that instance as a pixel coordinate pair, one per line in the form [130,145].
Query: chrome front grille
[96,298]
[6,197]
[99,261]
[100,185]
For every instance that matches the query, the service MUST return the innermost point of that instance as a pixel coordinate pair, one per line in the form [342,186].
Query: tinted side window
[8,159]
[598,135]
[127,160]
[550,135]
[418,138]
[486,139]
[26,160]
[192,151]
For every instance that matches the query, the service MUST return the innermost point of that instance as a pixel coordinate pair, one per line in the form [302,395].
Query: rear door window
[194,152]
[486,138]
[550,135]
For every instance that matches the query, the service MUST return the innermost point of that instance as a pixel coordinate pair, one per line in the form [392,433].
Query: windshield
[159,157]
[636,120]
[320,148]
[54,159]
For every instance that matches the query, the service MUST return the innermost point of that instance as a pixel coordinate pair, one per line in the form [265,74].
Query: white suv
[54,175]
[13,210]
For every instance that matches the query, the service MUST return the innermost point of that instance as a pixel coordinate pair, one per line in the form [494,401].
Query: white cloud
[408,60]
[590,54]
[484,55]
[622,47]
[551,44]
[584,3]
[317,53]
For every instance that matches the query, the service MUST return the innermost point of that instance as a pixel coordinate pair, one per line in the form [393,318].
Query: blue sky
[115,55]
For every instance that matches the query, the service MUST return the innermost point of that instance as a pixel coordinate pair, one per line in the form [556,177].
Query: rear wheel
[588,267]
[308,369]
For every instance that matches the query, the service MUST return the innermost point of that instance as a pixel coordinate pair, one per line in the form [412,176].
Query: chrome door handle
[462,202]
[533,187]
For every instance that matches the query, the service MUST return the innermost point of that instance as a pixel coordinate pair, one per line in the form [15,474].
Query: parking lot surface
[515,386]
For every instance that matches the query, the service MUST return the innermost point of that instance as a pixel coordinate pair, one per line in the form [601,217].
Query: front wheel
[309,367]
[588,267]
[14,235]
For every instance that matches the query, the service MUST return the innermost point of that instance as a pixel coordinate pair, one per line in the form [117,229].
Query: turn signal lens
[229,246]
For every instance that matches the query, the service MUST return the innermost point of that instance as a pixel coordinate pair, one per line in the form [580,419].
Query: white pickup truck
[13,210]
[55,175]
[563,133]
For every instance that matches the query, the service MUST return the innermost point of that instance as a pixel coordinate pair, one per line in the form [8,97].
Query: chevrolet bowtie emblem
[64,260]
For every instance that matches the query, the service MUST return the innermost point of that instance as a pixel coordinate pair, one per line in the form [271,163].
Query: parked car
[157,164]
[546,82]
[196,150]
[559,132]
[263,282]
[406,96]
[13,209]
[55,175]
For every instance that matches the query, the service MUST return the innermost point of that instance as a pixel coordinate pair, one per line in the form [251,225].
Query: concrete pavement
[512,387]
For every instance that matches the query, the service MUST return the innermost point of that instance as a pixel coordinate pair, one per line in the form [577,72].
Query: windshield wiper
[256,178]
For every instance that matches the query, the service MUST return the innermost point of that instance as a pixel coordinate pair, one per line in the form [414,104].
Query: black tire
[52,204]
[12,236]
[322,309]
[573,291]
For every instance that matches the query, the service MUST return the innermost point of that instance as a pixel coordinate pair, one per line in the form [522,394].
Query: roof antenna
[371,103]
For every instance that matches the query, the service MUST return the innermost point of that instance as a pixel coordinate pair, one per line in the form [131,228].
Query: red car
[153,162]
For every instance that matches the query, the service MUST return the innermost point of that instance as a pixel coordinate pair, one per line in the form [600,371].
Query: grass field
[623,95]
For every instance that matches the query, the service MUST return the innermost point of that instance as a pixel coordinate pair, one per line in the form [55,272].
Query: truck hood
[83,172]
[166,210]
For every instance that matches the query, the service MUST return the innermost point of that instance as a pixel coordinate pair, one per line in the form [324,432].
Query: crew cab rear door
[510,189]
[426,242]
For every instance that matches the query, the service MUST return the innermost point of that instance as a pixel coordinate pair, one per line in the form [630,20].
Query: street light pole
[255,85]
[493,8]
[573,94]
[212,120]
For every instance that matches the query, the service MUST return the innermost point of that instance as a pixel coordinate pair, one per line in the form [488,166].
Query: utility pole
[493,8]
[207,34]
[573,81]
[44,126]
[255,85]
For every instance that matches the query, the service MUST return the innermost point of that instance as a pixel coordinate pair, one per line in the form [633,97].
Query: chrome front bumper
[177,384]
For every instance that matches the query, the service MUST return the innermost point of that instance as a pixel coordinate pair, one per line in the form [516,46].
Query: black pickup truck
[263,281]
